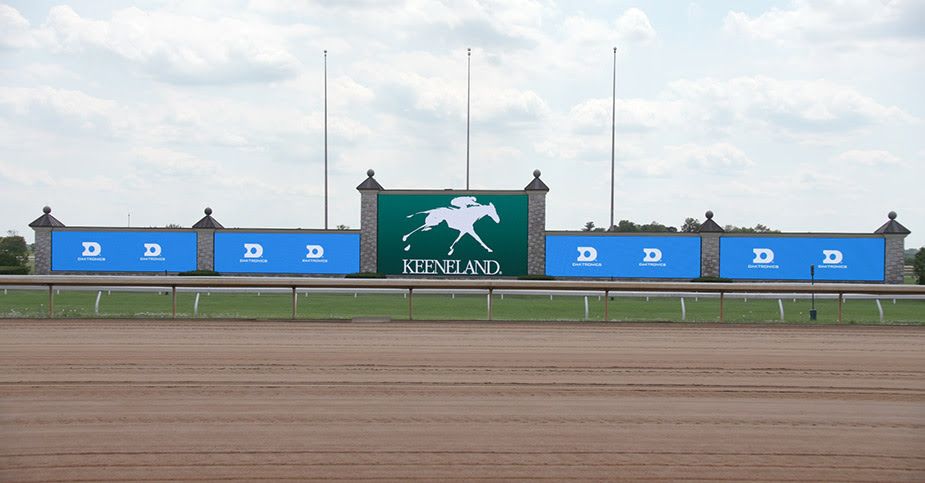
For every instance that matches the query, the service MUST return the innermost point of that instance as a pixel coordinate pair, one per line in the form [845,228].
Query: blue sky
[804,116]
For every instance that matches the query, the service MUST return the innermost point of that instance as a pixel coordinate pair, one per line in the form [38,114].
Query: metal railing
[605,288]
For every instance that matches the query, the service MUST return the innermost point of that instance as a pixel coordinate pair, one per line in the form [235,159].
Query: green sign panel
[469,234]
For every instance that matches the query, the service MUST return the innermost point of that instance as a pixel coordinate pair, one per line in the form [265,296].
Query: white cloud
[720,158]
[869,157]
[593,115]
[168,162]
[178,48]
[796,107]
[634,26]
[838,23]
[14,29]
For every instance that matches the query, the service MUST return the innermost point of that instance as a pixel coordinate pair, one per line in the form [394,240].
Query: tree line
[690,225]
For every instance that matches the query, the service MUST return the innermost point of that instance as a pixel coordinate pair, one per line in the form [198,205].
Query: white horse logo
[461,216]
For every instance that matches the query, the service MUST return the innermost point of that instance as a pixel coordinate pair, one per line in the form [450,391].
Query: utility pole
[468,91]
[325,139]
[613,135]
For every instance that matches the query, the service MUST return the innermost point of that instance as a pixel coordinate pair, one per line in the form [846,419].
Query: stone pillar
[43,226]
[536,225]
[42,251]
[205,240]
[369,221]
[895,258]
[894,235]
[205,249]
[710,233]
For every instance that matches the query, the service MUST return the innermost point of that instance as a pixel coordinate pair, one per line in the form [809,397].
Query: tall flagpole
[325,139]
[613,133]
[468,89]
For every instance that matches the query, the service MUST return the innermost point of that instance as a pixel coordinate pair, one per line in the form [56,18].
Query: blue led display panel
[789,258]
[123,251]
[623,256]
[296,253]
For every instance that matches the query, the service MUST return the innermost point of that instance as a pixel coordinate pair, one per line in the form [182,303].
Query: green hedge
[712,279]
[199,273]
[14,270]
[364,275]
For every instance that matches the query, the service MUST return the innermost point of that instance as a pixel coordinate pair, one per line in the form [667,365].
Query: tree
[759,228]
[691,225]
[13,251]
[918,266]
[625,226]
[174,225]
[589,226]
[343,227]
[656,227]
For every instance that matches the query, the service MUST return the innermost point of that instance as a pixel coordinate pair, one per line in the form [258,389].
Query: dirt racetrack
[91,400]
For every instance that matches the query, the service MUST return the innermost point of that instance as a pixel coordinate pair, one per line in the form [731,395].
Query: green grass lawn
[77,304]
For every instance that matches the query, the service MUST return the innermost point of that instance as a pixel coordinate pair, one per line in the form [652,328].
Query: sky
[803,116]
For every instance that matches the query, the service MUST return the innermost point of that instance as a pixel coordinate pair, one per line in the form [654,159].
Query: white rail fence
[602,290]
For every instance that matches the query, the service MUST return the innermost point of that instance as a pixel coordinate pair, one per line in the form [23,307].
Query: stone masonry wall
[369,213]
[709,254]
[895,258]
[205,253]
[42,251]
[536,233]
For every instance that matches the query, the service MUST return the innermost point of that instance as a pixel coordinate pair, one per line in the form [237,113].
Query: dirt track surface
[189,400]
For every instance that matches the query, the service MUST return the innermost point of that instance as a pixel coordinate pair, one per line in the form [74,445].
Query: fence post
[683,311]
[51,301]
[410,303]
[96,306]
[722,307]
[780,304]
[586,307]
[295,301]
[173,300]
[490,291]
[606,305]
[841,298]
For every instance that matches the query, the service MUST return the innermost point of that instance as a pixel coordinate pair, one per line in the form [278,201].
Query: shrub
[712,280]
[918,265]
[199,273]
[535,277]
[14,270]
[364,275]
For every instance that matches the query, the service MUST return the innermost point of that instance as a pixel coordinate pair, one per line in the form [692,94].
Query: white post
[683,310]
[196,306]
[96,306]
[586,307]
[880,308]
[780,304]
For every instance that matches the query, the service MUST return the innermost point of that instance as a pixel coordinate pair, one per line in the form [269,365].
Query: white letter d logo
[253,250]
[763,255]
[832,256]
[91,249]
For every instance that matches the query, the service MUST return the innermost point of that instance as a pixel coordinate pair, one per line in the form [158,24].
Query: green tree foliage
[13,251]
[759,228]
[626,226]
[918,265]
[588,226]
[691,225]
[173,225]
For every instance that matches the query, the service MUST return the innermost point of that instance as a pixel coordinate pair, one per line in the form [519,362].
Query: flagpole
[468,90]
[613,134]
[325,139]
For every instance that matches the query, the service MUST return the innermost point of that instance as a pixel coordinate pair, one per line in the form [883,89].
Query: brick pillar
[709,254]
[894,235]
[42,251]
[895,258]
[536,225]
[205,249]
[710,233]
[369,221]
[43,227]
